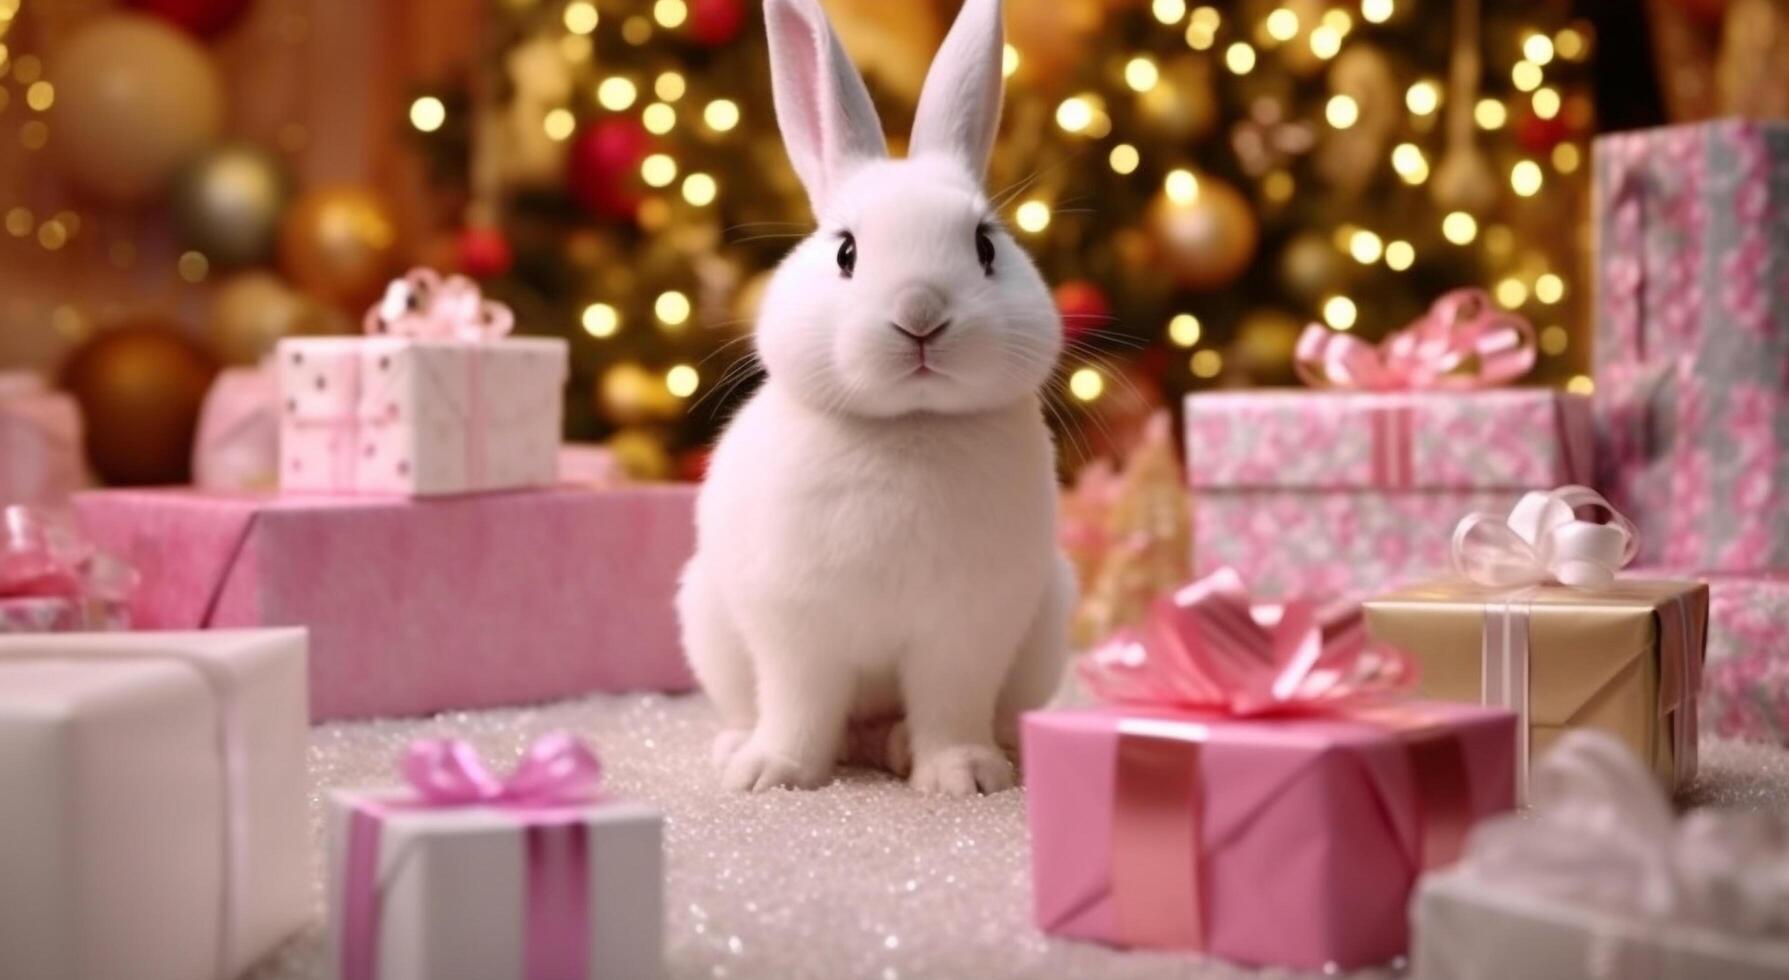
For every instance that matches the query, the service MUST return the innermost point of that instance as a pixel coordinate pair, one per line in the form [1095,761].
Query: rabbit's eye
[847,255]
[984,251]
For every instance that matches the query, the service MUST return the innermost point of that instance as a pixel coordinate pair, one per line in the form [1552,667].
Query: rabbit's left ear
[959,108]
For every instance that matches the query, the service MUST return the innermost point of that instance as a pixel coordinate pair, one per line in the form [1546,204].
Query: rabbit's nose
[919,312]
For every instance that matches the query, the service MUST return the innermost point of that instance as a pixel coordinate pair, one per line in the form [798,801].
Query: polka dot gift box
[436,400]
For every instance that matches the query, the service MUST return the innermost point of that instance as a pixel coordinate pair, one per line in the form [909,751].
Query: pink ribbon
[557,772]
[45,559]
[1209,647]
[424,306]
[1464,342]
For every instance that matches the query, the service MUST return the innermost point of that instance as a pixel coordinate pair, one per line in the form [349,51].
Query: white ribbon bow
[1543,541]
[1602,835]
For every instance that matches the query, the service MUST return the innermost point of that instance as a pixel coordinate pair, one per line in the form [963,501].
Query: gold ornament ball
[1310,266]
[140,386]
[1208,241]
[1263,347]
[250,312]
[227,204]
[1051,37]
[339,244]
[641,453]
[135,99]
[629,394]
[1182,102]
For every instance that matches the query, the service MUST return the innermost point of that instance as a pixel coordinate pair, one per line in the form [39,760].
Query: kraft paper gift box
[1333,492]
[1564,893]
[1692,339]
[419,606]
[154,804]
[1625,658]
[493,890]
[41,453]
[1293,842]
[238,443]
[1251,789]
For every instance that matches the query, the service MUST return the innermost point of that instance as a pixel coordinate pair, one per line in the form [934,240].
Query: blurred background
[182,182]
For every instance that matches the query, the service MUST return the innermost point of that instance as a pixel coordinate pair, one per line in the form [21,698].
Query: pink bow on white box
[424,306]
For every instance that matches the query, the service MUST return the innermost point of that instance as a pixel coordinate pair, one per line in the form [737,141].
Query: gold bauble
[1182,103]
[251,311]
[339,244]
[140,386]
[1208,241]
[1263,347]
[1310,265]
[135,99]
[227,204]
[628,394]
[1051,37]
[641,453]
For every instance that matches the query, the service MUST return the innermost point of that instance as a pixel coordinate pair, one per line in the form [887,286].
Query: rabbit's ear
[959,108]
[829,124]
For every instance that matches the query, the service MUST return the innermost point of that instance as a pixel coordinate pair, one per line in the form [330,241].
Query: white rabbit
[876,536]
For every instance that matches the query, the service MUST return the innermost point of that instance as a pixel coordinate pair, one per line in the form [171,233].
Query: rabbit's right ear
[829,124]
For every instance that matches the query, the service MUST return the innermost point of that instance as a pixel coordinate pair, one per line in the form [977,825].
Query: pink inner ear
[796,47]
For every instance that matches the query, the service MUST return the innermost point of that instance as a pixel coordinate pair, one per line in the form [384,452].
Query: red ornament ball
[692,466]
[1539,135]
[715,22]
[482,253]
[1083,307]
[200,18]
[602,169]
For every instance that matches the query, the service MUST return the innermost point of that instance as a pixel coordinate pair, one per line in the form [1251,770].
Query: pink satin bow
[1210,647]
[557,768]
[424,306]
[43,558]
[1463,342]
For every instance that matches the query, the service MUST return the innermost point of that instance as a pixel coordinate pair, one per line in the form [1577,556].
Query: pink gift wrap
[392,415]
[238,442]
[1692,339]
[41,460]
[1290,842]
[418,606]
[1333,492]
[1745,680]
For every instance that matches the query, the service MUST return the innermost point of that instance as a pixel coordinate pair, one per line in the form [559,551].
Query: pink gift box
[394,415]
[1292,842]
[238,442]
[417,606]
[41,459]
[1327,492]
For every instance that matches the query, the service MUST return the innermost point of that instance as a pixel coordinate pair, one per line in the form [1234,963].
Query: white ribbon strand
[1543,541]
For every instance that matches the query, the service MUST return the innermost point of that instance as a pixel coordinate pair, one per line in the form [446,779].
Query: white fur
[874,540]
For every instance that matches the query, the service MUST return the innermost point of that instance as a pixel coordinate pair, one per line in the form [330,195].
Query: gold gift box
[1596,658]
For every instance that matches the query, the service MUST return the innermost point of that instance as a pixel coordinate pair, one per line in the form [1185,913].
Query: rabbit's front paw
[726,745]
[755,768]
[963,770]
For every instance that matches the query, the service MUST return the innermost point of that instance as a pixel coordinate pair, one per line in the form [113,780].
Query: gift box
[1745,680]
[1625,658]
[1252,788]
[41,460]
[238,442]
[447,882]
[1328,492]
[590,465]
[155,802]
[418,606]
[1285,841]
[1566,892]
[1692,339]
[52,579]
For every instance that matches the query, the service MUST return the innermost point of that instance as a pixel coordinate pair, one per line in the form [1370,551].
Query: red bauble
[602,170]
[692,466]
[1083,307]
[482,253]
[715,22]
[200,18]
[1539,135]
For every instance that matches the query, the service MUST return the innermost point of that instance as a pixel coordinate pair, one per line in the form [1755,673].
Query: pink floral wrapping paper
[393,415]
[1745,681]
[1692,343]
[41,459]
[419,606]
[1331,493]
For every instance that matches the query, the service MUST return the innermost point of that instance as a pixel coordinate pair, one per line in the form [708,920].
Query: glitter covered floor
[861,879]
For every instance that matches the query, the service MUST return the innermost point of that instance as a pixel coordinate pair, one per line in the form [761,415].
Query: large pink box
[417,606]
[1289,841]
[1336,492]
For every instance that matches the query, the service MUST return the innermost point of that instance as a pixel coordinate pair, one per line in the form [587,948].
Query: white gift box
[458,890]
[420,417]
[1467,930]
[154,802]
